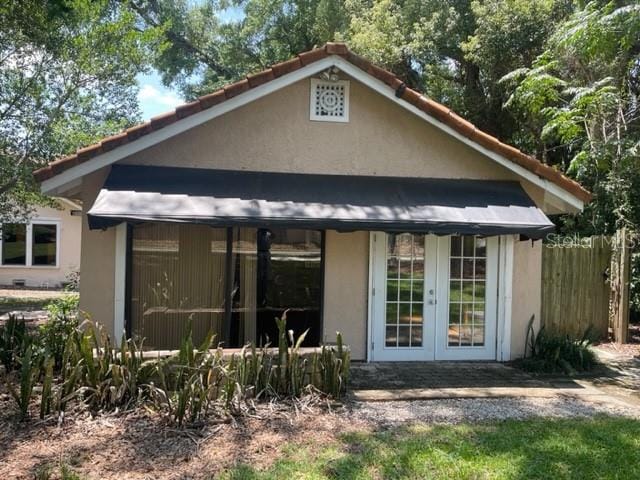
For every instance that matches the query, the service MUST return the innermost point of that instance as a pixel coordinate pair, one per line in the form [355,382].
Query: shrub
[13,340]
[186,386]
[194,382]
[62,322]
[551,352]
[29,372]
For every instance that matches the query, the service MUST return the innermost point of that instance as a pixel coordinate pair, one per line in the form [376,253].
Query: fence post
[620,287]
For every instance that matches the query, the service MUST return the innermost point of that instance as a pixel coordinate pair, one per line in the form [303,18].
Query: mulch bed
[140,444]
[629,349]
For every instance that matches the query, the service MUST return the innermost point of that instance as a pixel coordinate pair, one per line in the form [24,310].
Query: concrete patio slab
[441,375]
[486,392]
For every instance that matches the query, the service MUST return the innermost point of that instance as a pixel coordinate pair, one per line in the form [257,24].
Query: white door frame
[499,302]
[377,350]
[488,350]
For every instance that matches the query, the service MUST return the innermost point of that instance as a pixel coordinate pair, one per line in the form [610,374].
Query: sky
[154,98]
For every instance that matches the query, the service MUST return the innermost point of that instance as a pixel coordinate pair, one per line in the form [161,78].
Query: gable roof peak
[432,108]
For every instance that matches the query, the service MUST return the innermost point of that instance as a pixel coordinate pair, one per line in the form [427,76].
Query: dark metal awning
[238,198]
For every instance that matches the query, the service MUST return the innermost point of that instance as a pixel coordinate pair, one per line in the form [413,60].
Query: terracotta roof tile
[137,131]
[261,77]
[113,141]
[282,68]
[312,56]
[432,108]
[411,96]
[87,152]
[163,120]
[336,48]
[236,88]
[211,99]
[360,62]
[188,109]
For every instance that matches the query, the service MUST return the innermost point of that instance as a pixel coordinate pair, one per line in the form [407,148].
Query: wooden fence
[576,291]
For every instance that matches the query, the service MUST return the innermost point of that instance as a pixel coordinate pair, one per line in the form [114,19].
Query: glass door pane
[404,305]
[177,274]
[467,291]
[244,271]
[289,277]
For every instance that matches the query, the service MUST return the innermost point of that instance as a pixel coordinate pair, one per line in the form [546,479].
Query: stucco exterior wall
[274,134]
[68,249]
[526,293]
[346,283]
[97,285]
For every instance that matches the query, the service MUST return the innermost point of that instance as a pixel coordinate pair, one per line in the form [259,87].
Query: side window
[44,246]
[14,244]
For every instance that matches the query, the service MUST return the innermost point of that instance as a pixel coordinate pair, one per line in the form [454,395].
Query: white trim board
[59,182]
[120,282]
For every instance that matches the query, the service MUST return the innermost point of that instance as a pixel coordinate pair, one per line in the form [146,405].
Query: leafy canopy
[67,78]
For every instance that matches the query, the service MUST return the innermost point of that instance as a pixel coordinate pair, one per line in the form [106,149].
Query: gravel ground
[451,411]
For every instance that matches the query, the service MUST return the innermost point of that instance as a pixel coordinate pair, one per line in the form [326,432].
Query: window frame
[29,243]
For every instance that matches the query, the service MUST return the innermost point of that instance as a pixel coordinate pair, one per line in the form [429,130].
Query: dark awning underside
[236,198]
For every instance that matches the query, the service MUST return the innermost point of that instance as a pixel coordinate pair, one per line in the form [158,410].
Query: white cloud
[149,94]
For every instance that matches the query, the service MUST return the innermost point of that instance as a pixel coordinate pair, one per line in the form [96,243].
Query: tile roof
[430,107]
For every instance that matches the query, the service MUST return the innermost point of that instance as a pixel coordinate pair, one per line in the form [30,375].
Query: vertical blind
[178,273]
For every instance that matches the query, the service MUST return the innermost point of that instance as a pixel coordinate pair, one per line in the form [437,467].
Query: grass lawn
[603,447]
[27,300]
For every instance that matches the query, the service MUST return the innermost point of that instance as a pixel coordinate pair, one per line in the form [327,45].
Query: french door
[433,298]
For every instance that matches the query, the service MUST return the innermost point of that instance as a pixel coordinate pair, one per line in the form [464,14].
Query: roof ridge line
[429,106]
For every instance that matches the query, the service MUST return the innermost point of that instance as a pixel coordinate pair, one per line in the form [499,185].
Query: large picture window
[30,245]
[232,282]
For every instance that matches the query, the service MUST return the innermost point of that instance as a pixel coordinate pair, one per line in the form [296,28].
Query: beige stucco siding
[274,133]
[68,251]
[346,289]
[98,260]
[526,293]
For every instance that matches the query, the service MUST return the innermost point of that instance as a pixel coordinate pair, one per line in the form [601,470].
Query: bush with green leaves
[62,322]
[14,337]
[550,352]
[194,382]
[186,386]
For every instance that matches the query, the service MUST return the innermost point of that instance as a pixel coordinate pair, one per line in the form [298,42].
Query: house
[325,187]
[45,251]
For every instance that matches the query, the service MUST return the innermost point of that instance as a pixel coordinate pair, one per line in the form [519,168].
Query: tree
[199,52]
[580,99]
[67,78]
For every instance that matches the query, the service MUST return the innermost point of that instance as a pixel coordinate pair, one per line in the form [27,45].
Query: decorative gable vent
[329,100]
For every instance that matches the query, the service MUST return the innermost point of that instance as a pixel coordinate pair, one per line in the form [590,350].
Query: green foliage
[29,371]
[13,338]
[67,78]
[186,386]
[579,100]
[535,448]
[191,384]
[551,352]
[63,320]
